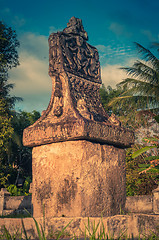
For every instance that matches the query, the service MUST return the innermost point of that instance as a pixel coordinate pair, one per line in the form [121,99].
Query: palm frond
[144,72]
[135,86]
[136,102]
[147,55]
[141,90]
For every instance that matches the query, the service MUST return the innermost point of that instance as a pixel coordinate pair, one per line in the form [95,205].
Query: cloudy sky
[112,27]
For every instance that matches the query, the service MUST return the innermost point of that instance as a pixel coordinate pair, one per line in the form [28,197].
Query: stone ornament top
[70,51]
[75,111]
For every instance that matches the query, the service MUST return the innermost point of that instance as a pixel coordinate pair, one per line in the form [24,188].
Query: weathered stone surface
[78,178]
[134,225]
[156,200]
[139,204]
[3,194]
[75,110]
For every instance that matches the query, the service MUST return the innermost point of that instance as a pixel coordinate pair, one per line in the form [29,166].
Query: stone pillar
[78,149]
[3,194]
[156,200]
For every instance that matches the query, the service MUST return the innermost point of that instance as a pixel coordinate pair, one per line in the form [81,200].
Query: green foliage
[157,118]
[16,160]
[6,129]
[8,175]
[8,60]
[15,191]
[142,150]
[8,47]
[3,179]
[13,156]
[107,94]
[126,112]
[20,155]
[151,162]
[6,234]
[138,181]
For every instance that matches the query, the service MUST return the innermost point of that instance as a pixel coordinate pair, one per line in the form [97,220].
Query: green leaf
[152,158]
[63,230]
[25,233]
[142,150]
[38,229]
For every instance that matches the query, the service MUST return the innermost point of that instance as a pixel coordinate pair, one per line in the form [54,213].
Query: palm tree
[142,87]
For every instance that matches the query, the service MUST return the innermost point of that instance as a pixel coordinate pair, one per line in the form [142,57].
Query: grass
[92,232]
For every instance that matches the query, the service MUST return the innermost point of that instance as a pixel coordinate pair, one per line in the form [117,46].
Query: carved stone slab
[75,110]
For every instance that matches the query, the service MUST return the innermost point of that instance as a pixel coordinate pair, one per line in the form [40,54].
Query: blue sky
[112,27]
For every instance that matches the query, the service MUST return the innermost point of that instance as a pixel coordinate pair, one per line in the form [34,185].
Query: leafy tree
[6,129]
[19,158]
[20,155]
[139,179]
[125,114]
[107,94]
[8,60]
[8,48]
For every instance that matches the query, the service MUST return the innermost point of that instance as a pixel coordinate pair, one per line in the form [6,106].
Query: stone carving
[75,110]
[113,119]
[83,110]
[79,57]
[58,98]
[78,156]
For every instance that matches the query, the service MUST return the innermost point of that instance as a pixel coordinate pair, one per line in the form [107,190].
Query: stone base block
[78,179]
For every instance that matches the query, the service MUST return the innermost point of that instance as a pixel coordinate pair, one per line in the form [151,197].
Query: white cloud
[31,79]
[118,54]
[112,75]
[34,45]
[31,76]
[116,50]
[32,82]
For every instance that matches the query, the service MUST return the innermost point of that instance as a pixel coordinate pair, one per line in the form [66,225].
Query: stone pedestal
[78,179]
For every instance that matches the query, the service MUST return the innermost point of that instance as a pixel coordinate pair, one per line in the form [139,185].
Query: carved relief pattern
[75,55]
[80,58]
[89,92]
[54,54]
[58,98]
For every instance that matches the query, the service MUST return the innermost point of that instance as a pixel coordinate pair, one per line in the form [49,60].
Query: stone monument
[78,150]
